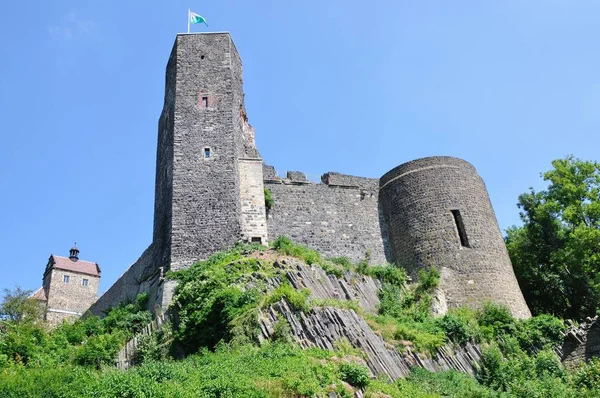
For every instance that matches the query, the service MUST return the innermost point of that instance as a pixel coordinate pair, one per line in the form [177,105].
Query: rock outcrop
[327,326]
[581,343]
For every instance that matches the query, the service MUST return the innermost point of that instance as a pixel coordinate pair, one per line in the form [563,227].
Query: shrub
[333,269]
[541,331]
[3,360]
[284,245]
[22,342]
[388,273]
[428,281]
[130,318]
[491,370]
[355,375]
[587,376]
[282,332]
[99,350]
[497,319]
[548,364]
[455,328]
[269,202]
[297,299]
[343,261]
[424,337]
[390,300]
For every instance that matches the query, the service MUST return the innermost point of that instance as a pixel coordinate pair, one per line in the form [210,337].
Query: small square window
[84,282]
[207,153]
[66,278]
[205,102]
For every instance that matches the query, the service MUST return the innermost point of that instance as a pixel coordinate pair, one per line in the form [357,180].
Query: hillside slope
[284,322]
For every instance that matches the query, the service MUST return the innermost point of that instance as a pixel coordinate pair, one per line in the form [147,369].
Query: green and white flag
[196,19]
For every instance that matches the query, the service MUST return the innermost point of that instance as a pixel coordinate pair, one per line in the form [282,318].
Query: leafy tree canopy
[18,307]
[556,253]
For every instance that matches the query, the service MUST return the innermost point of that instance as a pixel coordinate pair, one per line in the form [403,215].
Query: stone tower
[439,214]
[70,287]
[209,185]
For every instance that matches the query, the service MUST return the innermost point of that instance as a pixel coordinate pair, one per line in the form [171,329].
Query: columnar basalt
[209,195]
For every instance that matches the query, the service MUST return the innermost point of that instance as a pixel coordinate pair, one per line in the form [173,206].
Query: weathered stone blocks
[438,214]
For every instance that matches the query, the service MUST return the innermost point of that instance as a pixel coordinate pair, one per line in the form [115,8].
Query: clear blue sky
[351,86]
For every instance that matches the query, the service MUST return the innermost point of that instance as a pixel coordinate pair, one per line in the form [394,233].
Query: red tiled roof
[81,266]
[39,294]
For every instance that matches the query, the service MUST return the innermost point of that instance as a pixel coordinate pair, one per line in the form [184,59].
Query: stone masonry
[439,215]
[70,287]
[210,179]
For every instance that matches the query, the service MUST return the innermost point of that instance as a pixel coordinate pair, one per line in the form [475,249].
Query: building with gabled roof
[70,286]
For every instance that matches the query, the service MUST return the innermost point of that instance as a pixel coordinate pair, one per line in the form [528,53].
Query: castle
[209,194]
[69,288]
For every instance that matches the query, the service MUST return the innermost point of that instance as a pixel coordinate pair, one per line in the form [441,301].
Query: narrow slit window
[207,153]
[205,102]
[460,227]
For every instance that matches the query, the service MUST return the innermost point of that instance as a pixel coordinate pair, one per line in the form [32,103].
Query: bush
[269,202]
[492,369]
[3,360]
[343,261]
[587,376]
[99,350]
[284,245]
[541,331]
[388,273]
[22,342]
[496,319]
[355,375]
[130,318]
[297,299]
[455,328]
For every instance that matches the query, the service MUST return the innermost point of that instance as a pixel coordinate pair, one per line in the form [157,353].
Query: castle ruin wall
[335,220]
[143,276]
[439,215]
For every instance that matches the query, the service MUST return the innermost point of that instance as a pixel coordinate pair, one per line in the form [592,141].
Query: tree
[556,253]
[18,307]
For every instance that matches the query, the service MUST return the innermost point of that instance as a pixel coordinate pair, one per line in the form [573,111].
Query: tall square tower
[209,191]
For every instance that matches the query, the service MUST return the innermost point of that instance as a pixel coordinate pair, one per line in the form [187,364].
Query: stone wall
[254,219]
[143,276]
[336,220]
[439,215]
[206,214]
[163,189]
[69,300]
[581,343]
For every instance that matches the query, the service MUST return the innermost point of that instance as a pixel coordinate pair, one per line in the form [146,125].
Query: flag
[196,19]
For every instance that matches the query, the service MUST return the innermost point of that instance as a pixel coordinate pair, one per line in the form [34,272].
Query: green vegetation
[556,253]
[269,202]
[219,303]
[89,342]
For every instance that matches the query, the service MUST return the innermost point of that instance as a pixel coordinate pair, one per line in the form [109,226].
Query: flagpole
[189,11]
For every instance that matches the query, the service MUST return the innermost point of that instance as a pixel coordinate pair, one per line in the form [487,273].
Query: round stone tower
[438,214]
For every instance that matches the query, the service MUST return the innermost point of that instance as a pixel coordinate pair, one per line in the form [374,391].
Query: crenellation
[297,177]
